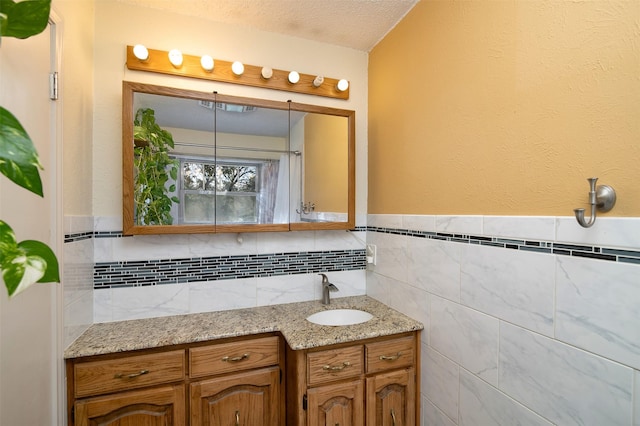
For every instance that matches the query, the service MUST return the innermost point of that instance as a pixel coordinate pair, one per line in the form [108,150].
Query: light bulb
[342,85]
[207,63]
[317,82]
[175,57]
[237,68]
[294,77]
[267,73]
[140,52]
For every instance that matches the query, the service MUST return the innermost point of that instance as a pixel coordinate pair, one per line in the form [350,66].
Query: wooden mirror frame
[128,225]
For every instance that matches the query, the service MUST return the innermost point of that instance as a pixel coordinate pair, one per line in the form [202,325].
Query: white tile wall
[466,336]
[417,304]
[286,289]
[77,279]
[636,398]
[439,382]
[391,255]
[565,384]
[434,266]
[525,227]
[598,308]
[433,416]
[517,337]
[149,301]
[483,404]
[459,224]
[607,231]
[222,295]
[509,284]
[118,304]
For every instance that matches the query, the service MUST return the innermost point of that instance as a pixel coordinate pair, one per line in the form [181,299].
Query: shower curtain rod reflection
[239,148]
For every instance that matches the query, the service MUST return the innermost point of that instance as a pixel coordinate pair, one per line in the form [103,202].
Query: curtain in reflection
[269,178]
[274,196]
[281,208]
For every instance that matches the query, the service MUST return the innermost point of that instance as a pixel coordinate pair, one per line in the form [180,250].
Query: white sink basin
[338,317]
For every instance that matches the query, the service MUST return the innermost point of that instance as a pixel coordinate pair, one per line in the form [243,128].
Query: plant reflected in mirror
[155,171]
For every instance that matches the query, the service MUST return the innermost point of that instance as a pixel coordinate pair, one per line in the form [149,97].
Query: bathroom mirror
[197,162]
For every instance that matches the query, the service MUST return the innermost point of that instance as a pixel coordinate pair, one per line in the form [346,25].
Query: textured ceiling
[357,24]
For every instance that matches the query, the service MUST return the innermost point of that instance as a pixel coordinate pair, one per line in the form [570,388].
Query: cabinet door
[243,399]
[341,404]
[391,399]
[148,407]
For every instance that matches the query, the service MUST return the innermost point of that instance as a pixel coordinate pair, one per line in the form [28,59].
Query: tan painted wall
[164,31]
[505,108]
[76,84]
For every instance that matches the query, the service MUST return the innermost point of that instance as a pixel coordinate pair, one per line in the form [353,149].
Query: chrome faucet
[326,288]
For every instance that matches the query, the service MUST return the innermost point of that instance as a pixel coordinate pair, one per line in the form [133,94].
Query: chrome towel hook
[602,198]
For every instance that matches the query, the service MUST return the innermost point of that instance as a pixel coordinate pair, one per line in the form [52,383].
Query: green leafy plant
[27,262]
[153,169]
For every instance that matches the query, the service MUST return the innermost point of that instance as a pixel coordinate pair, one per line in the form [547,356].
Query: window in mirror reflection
[225,192]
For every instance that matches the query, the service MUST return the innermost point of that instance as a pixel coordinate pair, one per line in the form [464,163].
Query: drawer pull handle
[235,358]
[390,357]
[393,417]
[337,367]
[132,375]
[237,418]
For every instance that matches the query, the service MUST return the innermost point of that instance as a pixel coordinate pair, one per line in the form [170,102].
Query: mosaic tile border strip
[79,236]
[172,271]
[549,247]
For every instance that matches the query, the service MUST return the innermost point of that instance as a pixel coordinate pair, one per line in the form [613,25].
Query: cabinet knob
[237,418]
[393,417]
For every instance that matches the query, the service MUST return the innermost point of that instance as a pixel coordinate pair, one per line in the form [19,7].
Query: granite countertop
[289,319]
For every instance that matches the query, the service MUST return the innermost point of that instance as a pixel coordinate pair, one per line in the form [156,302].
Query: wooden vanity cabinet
[391,395]
[391,398]
[142,389]
[237,382]
[249,396]
[145,407]
[336,404]
[372,382]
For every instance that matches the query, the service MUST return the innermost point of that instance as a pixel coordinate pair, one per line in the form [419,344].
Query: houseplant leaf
[23,19]
[34,248]
[18,157]
[25,263]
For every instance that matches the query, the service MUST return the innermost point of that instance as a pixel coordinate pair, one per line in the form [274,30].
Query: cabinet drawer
[128,372]
[234,356]
[389,354]
[334,364]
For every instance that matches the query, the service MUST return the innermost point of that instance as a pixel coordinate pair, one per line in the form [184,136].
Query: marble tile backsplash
[77,273]
[134,277]
[528,320]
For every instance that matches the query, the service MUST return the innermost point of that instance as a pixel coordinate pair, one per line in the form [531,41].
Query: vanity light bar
[158,61]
